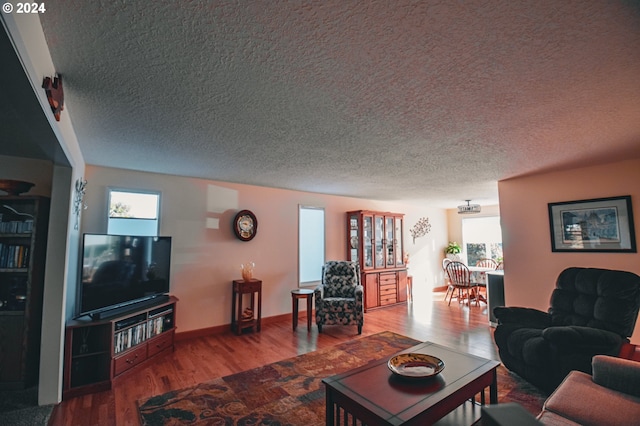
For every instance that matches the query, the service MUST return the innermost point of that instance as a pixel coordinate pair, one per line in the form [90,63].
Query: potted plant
[453,250]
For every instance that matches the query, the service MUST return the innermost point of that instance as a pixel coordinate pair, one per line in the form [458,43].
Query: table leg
[239,315]
[493,389]
[233,311]
[309,309]
[329,409]
[259,309]
[294,303]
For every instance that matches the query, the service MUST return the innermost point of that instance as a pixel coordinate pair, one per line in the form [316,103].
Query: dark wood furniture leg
[239,315]
[309,309]
[330,421]
[233,312]
[493,389]
[259,319]
[294,303]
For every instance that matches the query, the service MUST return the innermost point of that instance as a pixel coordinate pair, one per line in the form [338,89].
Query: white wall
[206,257]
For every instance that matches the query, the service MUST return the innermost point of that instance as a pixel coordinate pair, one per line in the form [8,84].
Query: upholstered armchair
[593,312]
[339,297]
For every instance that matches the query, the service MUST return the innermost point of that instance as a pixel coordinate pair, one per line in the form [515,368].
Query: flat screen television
[120,270]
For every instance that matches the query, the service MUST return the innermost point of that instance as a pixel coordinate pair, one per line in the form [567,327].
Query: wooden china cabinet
[374,240]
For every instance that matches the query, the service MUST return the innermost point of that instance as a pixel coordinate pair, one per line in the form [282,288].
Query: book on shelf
[16,227]
[14,256]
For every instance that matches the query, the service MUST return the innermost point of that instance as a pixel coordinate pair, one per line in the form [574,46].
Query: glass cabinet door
[367,241]
[379,241]
[398,242]
[390,242]
[353,238]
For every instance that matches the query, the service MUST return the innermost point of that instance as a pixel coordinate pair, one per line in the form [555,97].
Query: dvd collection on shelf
[140,332]
[129,337]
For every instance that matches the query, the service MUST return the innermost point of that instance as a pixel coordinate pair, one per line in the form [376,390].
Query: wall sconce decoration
[55,94]
[420,229]
[78,201]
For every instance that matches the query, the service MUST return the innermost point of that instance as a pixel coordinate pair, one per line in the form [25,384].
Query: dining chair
[447,280]
[460,277]
[487,263]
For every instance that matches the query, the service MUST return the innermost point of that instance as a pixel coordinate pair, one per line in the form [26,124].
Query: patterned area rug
[290,392]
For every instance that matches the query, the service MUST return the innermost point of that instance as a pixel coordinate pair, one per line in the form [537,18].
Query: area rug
[20,408]
[290,392]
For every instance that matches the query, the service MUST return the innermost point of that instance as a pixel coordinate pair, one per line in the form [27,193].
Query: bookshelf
[98,352]
[23,239]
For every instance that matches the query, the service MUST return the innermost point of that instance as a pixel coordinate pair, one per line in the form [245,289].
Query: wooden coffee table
[373,395]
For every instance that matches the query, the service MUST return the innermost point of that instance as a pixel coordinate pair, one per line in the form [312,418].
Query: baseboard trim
[226,328]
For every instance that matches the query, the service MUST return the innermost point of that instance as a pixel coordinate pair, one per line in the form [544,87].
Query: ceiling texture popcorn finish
[400,100]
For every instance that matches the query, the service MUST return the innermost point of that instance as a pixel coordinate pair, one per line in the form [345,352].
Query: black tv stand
[146,303]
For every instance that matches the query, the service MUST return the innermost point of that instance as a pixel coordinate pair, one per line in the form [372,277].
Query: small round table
[297,294]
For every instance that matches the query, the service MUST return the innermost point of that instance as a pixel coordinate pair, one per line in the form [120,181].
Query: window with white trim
[133,212]
[482,238]
[310,245]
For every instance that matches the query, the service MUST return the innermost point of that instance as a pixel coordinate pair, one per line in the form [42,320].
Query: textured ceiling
[431,100]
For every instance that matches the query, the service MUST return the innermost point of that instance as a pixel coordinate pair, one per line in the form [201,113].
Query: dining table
[478,276]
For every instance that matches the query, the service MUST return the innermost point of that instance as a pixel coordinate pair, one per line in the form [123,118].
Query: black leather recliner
[593,312]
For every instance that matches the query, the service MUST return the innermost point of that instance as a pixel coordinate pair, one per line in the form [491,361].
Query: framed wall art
[597,225]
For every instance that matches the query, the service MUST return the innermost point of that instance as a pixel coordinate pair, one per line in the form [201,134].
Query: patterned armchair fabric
[339,298]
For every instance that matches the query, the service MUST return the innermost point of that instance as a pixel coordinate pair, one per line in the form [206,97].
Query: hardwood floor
[196,360]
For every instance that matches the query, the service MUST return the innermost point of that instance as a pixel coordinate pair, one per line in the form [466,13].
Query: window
[482,238]
[310,245]
[133,212]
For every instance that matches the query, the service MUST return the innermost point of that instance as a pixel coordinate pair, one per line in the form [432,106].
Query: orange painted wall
[531,268]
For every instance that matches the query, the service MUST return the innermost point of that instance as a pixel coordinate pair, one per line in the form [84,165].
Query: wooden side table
[296,295]
[630,351]
[240,288]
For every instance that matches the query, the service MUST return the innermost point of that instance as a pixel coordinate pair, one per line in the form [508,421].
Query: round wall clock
[245,225]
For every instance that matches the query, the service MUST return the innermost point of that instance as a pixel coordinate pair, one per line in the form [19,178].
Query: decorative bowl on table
[415,366]
[14,187]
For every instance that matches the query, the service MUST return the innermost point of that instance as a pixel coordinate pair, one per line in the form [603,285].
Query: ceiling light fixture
[469,208]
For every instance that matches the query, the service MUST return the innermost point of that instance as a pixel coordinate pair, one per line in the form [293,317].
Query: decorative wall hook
[420,229]
[78,201]
[55,94]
